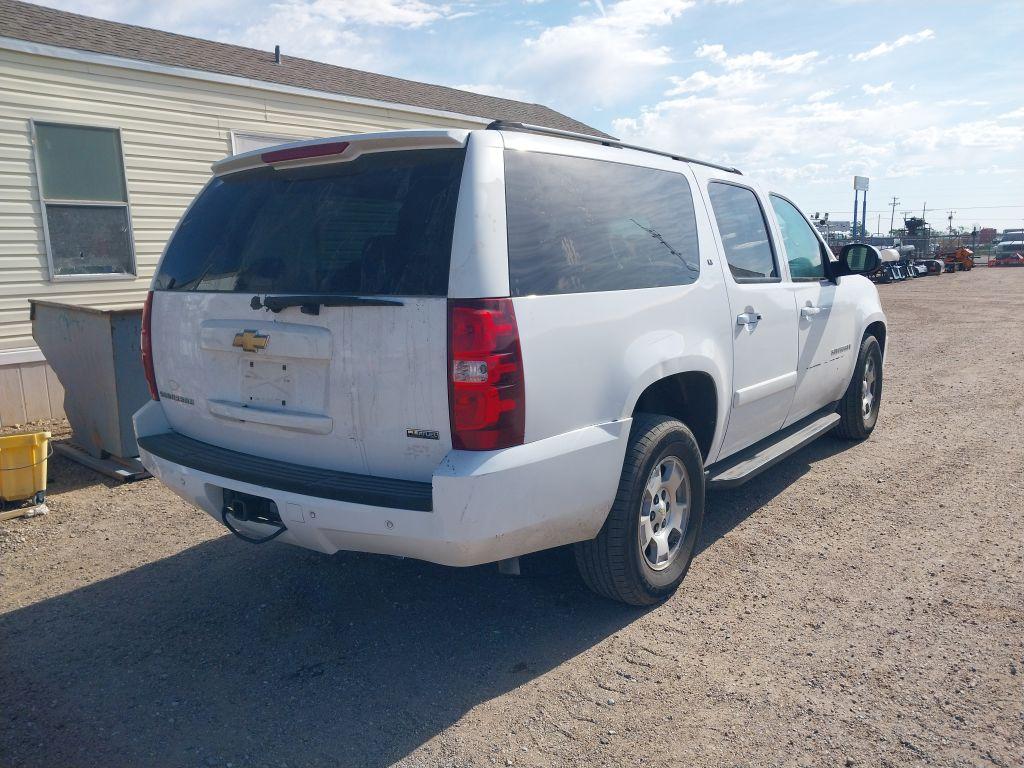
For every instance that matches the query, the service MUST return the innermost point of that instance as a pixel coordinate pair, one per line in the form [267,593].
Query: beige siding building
[107,132]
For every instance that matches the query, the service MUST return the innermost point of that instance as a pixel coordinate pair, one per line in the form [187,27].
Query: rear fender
[657,355]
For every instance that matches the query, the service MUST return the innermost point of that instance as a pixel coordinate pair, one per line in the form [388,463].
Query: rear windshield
[379,224]
[577,225]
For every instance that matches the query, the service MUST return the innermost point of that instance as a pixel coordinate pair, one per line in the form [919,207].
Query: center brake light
[487,393]
[309,150]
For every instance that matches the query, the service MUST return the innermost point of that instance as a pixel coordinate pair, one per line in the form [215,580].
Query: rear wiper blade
[311,304]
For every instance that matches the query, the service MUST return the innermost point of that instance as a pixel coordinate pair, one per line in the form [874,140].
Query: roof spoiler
[607,141]
[339,148]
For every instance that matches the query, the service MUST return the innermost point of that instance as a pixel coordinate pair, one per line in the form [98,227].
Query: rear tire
[858,410]
[647,542]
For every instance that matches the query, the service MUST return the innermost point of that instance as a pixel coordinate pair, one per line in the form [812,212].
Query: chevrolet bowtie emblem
[250,340]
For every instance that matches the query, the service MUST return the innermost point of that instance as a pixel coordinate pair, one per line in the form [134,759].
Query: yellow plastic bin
[23,466]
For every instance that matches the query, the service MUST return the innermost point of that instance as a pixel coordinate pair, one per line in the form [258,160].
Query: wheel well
[877,329]
[689,397]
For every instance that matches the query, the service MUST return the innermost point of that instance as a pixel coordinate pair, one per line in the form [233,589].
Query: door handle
[809,311]
[748,318]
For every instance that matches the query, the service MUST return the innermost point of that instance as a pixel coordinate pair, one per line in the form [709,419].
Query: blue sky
[926,98]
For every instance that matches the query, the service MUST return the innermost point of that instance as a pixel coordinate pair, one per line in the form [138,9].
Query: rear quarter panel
[589,356]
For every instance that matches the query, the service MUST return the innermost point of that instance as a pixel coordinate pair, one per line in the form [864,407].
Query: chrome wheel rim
[869,390]
[664,513]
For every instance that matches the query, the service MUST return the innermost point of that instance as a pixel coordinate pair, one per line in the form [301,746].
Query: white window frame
[43,201]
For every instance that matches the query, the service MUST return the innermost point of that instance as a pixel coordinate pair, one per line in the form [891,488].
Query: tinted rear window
[578,225]
[379,224]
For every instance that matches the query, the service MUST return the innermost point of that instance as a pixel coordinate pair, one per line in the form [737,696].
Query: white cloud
[757,60]
[599,58]
[962,103]
[789,140]
[494,89]
[875,90]
[743,73]
[337,31]
[742,81]
[883,48]
[821,95]
[399,13]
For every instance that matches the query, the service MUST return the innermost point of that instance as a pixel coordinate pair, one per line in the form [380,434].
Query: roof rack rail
[608,141]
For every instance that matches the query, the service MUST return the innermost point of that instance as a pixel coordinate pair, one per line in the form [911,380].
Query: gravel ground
[859,605]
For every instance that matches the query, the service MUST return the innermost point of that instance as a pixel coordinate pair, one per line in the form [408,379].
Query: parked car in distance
[467,346]
[1009,253]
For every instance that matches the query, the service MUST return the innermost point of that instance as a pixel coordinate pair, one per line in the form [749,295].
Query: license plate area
[268,382]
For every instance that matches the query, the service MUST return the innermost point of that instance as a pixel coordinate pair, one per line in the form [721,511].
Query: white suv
[466,346]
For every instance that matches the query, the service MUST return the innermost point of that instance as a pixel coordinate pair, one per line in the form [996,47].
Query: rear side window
[379,224]
[744,232]
[577,225]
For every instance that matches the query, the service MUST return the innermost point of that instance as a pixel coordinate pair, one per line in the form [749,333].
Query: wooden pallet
[27,511]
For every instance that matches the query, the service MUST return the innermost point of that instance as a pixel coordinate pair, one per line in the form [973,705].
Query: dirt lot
[860,605]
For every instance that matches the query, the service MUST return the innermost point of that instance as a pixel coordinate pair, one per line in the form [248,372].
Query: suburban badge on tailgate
[423,434]
[250,340]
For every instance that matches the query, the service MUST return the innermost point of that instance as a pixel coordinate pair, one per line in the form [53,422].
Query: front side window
[744,232]
[84,199]
[803,249]
[577,225]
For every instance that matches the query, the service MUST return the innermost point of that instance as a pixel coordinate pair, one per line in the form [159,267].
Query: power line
[947,207]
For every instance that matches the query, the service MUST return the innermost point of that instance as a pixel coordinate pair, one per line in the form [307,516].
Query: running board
[751,462]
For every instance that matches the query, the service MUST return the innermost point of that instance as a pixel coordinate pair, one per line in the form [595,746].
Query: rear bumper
[482,506]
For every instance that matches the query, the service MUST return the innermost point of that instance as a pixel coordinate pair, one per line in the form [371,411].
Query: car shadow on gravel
[728,508]
[229,653]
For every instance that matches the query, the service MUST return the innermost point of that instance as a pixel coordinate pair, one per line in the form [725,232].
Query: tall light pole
[856,201]
[860,184]
[864,214]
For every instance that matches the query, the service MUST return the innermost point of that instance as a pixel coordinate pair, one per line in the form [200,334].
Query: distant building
[986,235]
[832,227]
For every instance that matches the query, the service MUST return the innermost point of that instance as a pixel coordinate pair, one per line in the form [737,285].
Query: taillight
[487,397]
[146,343]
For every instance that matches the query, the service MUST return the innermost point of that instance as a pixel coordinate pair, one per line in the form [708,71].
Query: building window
[84,201]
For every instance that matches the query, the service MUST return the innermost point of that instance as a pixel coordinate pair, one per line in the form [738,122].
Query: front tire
[645,547]
[858,410]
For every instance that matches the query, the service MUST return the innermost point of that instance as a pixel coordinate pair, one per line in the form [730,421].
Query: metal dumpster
[95,353]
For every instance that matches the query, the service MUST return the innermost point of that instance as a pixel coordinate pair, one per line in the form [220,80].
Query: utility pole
[927,229]
[892,219]
[950,218]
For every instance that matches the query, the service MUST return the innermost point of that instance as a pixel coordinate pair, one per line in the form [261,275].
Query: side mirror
[858,259]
